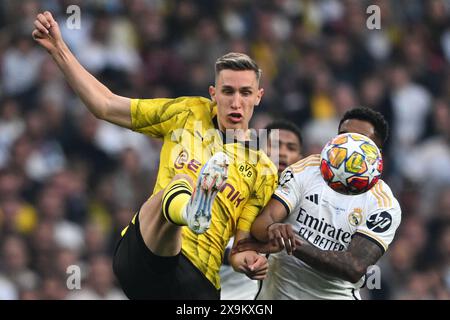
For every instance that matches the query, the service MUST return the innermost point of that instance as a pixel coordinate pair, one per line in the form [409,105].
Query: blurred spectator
[11,127]
[52,288]
[95,239]
[131,180]
[100,282]
[15,266]
[8,291]
[46,157]
[428,163]
[20,64]
[411,104]
[51,209]
[109,45]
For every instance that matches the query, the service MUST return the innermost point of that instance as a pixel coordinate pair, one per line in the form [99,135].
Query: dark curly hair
[286,125]
[373,117]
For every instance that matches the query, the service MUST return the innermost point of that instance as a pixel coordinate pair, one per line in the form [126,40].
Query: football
[351,163]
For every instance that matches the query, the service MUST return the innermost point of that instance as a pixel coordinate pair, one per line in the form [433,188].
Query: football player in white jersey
[330,238]
[234,285]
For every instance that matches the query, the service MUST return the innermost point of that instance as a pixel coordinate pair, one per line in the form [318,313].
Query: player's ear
[212,93]
[259,96]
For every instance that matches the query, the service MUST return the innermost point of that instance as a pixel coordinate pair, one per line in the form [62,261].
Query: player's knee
[186,177]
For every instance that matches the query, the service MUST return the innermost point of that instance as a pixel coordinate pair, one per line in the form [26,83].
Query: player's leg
[160,236]
[147,260]
[145,275]
[180,204]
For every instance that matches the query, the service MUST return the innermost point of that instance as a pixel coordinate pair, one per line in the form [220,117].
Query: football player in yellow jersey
[212,179]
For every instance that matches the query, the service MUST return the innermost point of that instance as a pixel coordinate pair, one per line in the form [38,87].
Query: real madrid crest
[355,217]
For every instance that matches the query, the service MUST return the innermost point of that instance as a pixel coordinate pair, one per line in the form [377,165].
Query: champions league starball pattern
[351,163]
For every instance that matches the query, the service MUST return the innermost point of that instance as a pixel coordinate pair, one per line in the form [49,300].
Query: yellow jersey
[188,127]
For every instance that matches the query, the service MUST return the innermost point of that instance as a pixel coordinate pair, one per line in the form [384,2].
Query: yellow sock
[175,198]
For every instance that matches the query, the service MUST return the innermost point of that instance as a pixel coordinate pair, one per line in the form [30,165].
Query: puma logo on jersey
[233,195]
[314,198]
[229,190]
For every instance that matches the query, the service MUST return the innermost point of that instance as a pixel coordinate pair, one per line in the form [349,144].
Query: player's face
[362,127]
[289,151]
[236,94]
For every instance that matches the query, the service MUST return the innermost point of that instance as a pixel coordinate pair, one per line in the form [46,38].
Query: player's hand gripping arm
[248,262]
[268,232]
[349,265]
[99,99]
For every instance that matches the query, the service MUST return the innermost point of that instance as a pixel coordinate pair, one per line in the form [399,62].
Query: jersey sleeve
[288,191]
[380,225]
[263,190]
[159,117]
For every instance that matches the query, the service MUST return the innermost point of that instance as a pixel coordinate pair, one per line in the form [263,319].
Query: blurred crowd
[69,183]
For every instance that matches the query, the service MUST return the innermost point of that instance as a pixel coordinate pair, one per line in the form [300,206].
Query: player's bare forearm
[259,227]
[94,94]
[348,265]
[273,212]
[236,260]
[97,97]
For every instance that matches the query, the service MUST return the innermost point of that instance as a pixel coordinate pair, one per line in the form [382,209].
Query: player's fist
[46,31]
[255,266]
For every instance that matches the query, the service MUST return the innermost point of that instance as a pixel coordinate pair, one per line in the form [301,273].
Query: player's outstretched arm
[99,99]
[349,265]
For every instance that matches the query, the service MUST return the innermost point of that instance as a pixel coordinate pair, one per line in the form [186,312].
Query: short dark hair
[286,125]
[373,117]
[237,61]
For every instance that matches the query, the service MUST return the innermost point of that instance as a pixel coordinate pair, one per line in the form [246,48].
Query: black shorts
[144,275]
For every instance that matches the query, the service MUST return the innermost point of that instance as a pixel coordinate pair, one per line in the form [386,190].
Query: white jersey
[328,220]
[236,285]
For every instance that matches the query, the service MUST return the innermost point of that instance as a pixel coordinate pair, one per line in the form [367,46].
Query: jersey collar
[253,143]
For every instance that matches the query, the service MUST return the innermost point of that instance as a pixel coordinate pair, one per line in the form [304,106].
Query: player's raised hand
[46,31]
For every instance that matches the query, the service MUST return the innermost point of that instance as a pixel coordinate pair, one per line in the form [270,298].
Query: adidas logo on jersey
[314,198]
